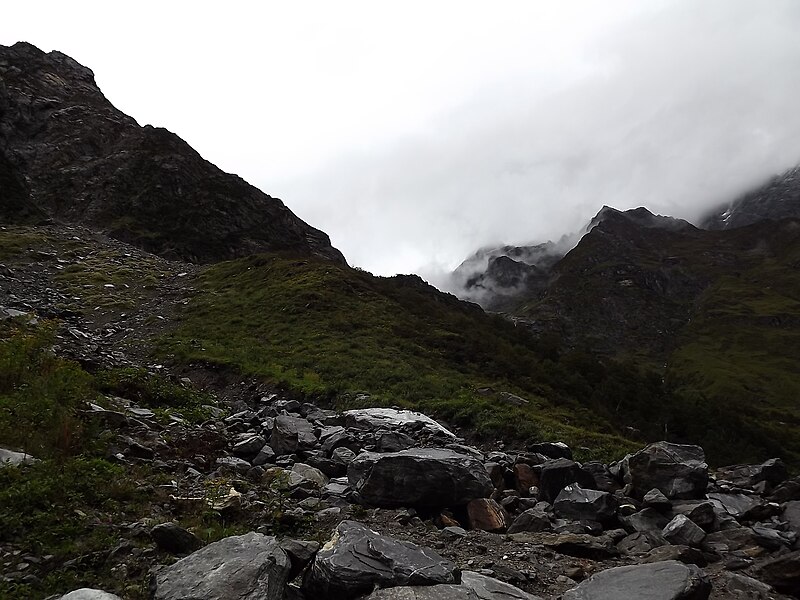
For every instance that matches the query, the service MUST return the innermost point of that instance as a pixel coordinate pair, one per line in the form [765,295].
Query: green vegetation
[17,240]
[331,332]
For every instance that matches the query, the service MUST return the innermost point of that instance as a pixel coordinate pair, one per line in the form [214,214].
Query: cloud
[678,109]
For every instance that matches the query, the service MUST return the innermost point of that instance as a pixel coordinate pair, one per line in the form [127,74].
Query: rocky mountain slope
[85,162]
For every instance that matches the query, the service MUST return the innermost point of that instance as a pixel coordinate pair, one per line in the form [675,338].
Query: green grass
[330,332]
[16,240]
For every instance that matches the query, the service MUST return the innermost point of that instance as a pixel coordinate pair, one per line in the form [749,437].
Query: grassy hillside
[332,332]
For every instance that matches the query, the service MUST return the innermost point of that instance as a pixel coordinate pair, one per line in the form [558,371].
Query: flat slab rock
[421,477]
[390,418]
[667,580]
[474,586]
[357,559]
[243,567]
[678,471]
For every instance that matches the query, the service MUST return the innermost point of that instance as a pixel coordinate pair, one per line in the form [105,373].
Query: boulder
[300,553]
[422,477]
[738,506]
[681,531]
[551,449]
[406,421]
[174,539]
[557,474]
[486,515]
[678,471]
[249,447]
[684,554]
[357,559]
[489,588]
[772,471]
[791,514]
[655,499]
[533,519]
[290,434]
[524,478]
[89,594]
[647,520]
[700,512]
[783,573]
[666,580]
[12,458]
[243,567]
[425,592]
[574,502]
[580,545]
[735,586]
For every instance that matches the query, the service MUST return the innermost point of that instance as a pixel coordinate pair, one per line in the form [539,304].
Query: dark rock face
[86,162]
[421,477]
[557,474]
[783,573]
[357,559]
[667,580]
[174,539]
[777,199]
[678,471]
[244,567]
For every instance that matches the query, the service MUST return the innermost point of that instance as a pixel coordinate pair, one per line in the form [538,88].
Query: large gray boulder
[422,477]
[89,594]
[666,580]
[290,434]
[405,421]
[557,474]
[488,588]
[14,459]
[424,592]
[357,559]
[243,567]
[678,471]
[574,502]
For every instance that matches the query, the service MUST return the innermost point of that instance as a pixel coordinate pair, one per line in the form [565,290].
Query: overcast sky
[416,132]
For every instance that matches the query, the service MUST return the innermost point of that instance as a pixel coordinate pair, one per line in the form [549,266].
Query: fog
[416,133]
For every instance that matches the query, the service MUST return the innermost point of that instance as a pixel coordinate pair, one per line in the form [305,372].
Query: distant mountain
[83,161]
[777,199]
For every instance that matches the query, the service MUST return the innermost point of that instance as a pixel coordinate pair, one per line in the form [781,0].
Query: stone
[489,588]
[782,573]
[791,515]
[486,515]
[772,471]
[419,477]
[580,545]
[556,474]
[425,592]
[551,449]
[290,434]
[657,500]
[574,502]
[604,480]
[244,567]
[89,594]
[735,586]
[647,520]
[357,559]
[343,456]
[640,542]
[533,519]
[678,471]
[265,456]
[310,473]
[395,420]
[174,538]
[393,441]
[739,506]
[700,512]
[14,459]
[524,478]
[236,464]
[681,531]
[666,580]
[684,554]
[300,553]
[249,447]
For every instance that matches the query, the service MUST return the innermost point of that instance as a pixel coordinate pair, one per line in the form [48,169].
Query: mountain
[779,198]
[85,162]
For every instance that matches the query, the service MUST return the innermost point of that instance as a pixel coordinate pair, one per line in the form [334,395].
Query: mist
[678,109]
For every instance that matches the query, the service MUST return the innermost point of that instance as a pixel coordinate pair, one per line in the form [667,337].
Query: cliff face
[83,161]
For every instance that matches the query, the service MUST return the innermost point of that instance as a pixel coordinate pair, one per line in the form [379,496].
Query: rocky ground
[380,503]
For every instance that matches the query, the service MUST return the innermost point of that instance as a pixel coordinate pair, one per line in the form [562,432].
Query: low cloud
[678,110]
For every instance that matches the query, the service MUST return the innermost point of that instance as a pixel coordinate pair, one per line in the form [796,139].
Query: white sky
[415,132]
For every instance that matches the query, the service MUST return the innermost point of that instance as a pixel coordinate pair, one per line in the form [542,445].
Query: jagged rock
[10,457]
[738,506]
[524,478]
[684,554]
[489,588]
[740,538]
[734,586]
[250,447]
[666,580]
[701,513]
[574,502]
[231,462]
[533,519]
[773,471]
[89,594]
[343,456]
[647,520]
[640,542]
[405,421]
[486,515]
[791,514]
[681,531]
[604,480]
[244,567]
[551,449]
[393,441]
[788,490]
[496,473]
[783,573]
[265,456]
[678,471]
[300,553]
[556,474]
[310,473]
[174,538]
[426,477]
[657,500]
[290,434]
[573,544]
[357,559]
